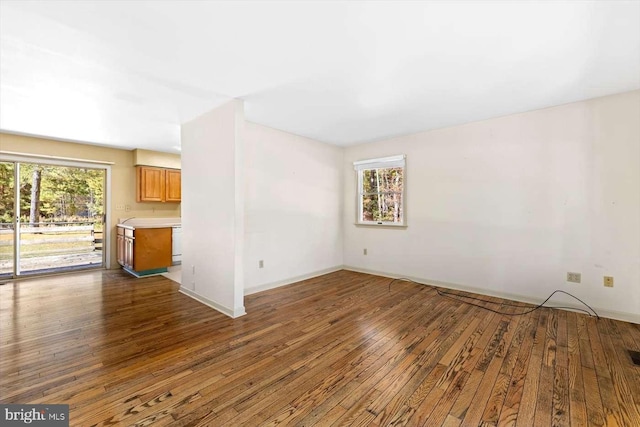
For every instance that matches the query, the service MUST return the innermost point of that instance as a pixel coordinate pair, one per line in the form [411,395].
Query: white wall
[507,206]
[293,210]
[212,202]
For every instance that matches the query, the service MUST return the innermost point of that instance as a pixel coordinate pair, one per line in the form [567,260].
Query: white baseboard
[233,313]
[277,284]
[610,314]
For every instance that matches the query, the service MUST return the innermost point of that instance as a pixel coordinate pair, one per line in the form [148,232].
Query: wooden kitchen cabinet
[144,250]
[150,184]
[158,184]
[173,185]
[124,247]
[151,248]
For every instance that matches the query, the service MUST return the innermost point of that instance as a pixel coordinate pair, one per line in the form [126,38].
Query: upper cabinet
[150,184]
[173,192]
[157,184]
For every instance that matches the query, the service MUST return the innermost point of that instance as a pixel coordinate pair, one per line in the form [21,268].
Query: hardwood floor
[340,349]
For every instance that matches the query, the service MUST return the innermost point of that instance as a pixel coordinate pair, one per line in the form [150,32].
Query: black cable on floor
[458,297]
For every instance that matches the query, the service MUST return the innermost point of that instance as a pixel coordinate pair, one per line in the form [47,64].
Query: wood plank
[527,409]
[595,411]
[560,411]
[510,408]
[577,404]
[441,410]
[544,400]
[462,403]
[496,400]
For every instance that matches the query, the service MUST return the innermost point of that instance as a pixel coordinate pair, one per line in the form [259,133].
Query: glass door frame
[16,159]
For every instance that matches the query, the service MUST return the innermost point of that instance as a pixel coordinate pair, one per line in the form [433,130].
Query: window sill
[383,225]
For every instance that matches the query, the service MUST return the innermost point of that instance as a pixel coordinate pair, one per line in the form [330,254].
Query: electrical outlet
[261,264]
[574,277]
[127,208]
[608,281]
[365,251]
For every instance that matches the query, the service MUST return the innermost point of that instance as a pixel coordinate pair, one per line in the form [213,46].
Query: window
[381,190]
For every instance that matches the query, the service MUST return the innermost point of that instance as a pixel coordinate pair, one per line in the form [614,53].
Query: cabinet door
[150,185]
[152,248]
[173,185]
[120,249]
[128,252]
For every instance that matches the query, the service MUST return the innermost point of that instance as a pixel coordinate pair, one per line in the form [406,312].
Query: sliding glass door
[52,218]
[7,218]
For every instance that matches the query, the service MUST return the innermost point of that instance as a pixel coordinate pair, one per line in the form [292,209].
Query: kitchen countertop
[133,223]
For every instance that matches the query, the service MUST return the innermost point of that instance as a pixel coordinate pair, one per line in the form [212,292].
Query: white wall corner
[239,207]
[290,280]
[342,223]
[237,312]
[292,206]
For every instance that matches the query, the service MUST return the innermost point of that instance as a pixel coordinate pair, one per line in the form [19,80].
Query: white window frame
[360,166]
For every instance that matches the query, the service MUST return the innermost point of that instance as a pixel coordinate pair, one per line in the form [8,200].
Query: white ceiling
[129,73]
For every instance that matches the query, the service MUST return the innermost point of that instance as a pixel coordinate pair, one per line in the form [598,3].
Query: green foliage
[382,194]
[6,192]
[65,192]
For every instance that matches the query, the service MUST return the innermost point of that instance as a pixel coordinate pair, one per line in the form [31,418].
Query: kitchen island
[145,246]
